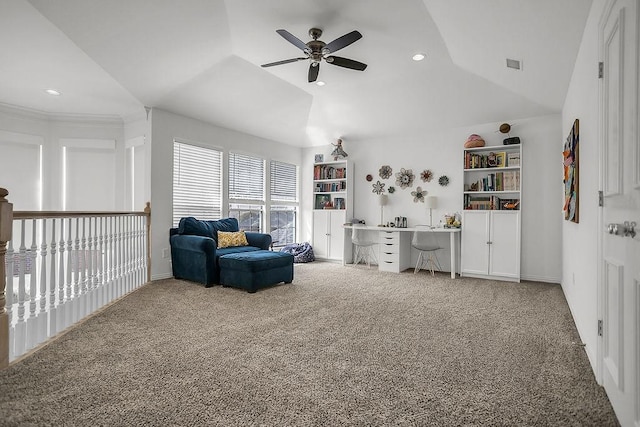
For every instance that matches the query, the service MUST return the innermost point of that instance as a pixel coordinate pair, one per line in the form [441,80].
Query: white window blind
[246,177]
[197,182]
[284,181]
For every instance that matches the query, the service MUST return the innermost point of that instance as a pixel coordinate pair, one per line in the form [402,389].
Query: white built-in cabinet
[332,208]
[329,236]
[491,244]
[491,227]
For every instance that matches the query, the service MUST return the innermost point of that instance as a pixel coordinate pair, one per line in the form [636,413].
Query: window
[284,202]
[246,191]
[197,182]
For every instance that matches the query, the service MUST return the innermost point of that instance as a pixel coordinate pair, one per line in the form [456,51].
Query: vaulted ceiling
[201,58]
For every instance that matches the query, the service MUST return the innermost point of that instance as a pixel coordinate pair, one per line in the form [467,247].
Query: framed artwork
[571,163]
[319,158]
[501,159]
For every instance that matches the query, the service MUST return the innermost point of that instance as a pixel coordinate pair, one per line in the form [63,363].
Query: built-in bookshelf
[330,185]
[492,178]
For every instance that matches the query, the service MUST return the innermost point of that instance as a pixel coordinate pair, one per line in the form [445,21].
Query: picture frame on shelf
[319,158]
[501,159]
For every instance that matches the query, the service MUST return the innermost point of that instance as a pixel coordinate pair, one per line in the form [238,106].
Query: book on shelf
[513,159]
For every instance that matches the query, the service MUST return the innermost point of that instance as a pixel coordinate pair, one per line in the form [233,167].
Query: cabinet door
[320,234]
[504,255]
[475,235]
[336,234]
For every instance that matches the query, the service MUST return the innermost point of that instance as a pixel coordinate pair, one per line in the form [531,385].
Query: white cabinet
[332,208]
[491,244]
[395,251]
[331,241]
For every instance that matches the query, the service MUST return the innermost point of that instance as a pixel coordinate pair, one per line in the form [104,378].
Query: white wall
[579,270]
[442,153]
[166,126]
[54,132]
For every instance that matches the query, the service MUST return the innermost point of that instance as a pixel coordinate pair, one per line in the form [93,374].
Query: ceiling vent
[513,63]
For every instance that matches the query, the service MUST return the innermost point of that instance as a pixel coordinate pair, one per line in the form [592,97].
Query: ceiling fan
[317,50]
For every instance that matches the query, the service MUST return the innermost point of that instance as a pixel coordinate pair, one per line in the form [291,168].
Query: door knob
[630,229]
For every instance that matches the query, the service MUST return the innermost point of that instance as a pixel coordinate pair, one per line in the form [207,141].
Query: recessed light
[418,57]
[320,83]
[52,92]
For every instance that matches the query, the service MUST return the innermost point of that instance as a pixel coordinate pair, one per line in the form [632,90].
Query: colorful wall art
[571,174]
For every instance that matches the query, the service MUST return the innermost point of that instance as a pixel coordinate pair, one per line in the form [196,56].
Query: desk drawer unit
[390,249]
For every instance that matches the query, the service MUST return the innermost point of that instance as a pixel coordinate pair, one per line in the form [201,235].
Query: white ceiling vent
[513,63]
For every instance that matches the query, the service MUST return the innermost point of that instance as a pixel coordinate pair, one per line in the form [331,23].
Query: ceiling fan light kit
[317,50]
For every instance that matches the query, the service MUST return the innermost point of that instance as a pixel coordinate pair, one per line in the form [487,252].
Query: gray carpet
[339,346]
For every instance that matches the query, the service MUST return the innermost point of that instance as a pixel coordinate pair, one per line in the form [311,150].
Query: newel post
[147,211]
[6,224]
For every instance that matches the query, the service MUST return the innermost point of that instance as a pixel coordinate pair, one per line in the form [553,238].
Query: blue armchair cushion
[205,228]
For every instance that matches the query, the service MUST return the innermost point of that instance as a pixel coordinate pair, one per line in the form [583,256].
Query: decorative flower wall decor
[385,171]
[391,190]
[404,178]
[443,180]
[426,175]
[418,195]
[369,177]
[378,188]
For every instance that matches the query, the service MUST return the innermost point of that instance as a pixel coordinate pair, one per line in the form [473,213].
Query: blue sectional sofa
[194,252]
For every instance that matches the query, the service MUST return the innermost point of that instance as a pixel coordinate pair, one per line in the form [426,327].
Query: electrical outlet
[165,253]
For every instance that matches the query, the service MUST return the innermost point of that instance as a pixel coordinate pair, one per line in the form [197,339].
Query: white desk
[400,238]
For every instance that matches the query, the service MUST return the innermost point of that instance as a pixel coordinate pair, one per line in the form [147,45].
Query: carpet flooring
[339,346]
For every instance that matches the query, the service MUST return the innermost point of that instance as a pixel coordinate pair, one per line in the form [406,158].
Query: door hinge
[600,70]
[600,198]
[599,328]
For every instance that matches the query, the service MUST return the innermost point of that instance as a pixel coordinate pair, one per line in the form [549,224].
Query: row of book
[328,172]
[491,160]
[500,181]
[494,203]
[325,187]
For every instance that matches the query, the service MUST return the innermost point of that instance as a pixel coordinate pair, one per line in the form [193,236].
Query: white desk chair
[363,244]
[427,244]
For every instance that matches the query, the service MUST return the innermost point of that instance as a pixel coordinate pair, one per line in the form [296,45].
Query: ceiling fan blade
[293,40]
[313,71]
[285,61]
[346,63]
[343,41]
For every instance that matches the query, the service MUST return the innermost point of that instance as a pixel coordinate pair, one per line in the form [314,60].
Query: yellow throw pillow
[231,238]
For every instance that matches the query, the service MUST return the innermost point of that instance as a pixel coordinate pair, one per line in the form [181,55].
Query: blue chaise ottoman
[255,270]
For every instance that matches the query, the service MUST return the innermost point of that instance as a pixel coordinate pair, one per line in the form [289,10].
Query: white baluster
[42,310]
[53,310]
[10,296]
[20,344]
[68,295]
[63,274]
[129,254]
[111,254]
[76,275]
[119,257]
[32,327]
[101,263]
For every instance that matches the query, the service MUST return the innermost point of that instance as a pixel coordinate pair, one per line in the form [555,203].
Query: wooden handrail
[6,225]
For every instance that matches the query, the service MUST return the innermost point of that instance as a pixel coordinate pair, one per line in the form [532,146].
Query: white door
[619,284]
[336,234]
[320,234]
[475,242]
[504,258]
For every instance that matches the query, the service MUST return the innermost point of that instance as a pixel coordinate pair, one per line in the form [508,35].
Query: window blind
[284,181]
[246,177]
[197,182]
